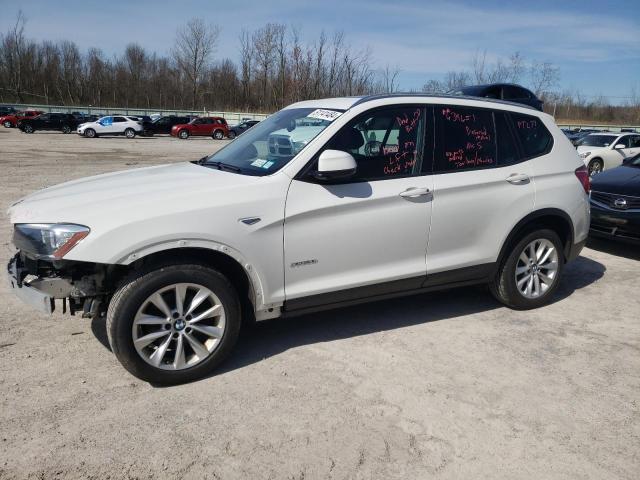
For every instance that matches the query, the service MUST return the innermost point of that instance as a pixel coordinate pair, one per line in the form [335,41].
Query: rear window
[533,135]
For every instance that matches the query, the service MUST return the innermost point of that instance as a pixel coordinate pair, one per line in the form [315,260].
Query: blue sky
[596,45]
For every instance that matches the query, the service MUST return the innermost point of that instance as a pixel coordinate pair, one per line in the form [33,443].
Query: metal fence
[608,128]
[90,109]
[232,117]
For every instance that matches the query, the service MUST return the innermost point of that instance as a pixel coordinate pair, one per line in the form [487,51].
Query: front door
[368,235]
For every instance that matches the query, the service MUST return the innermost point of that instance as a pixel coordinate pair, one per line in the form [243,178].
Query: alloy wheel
[178,326]
[595,167]
[537,268]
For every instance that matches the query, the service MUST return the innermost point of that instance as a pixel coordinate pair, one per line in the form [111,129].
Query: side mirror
[620,146]
[335,165]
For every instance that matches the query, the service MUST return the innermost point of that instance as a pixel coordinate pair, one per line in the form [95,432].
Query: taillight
[583,177]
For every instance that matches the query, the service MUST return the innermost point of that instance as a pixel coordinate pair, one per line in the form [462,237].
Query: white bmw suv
[112,125]
[378,196]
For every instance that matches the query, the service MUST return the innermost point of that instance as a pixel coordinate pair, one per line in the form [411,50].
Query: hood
[585,148]
[622,180]
[143,192]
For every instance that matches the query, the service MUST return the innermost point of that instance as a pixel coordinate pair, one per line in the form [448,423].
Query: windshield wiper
[225,166]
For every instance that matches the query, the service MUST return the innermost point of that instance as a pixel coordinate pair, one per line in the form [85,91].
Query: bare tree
[390,79]
[543,77]
[194,46]
[246,63]
[14,46]
[264,41]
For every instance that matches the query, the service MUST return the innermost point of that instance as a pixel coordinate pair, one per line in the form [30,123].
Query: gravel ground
[448,385]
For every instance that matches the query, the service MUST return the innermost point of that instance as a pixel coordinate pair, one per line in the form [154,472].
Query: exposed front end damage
[80,286]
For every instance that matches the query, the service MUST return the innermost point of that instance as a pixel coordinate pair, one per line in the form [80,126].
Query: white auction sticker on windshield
[329,115]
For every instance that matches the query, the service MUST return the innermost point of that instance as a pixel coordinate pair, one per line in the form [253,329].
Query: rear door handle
[518,179]
[415,192]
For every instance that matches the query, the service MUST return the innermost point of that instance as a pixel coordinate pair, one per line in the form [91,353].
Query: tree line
[275,66]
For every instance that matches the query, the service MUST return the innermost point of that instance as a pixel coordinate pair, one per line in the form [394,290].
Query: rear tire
[232,135]
[90,133]
[130,317]
[596,166]
[218,135]
[534,263]
[130,133]
[183,134]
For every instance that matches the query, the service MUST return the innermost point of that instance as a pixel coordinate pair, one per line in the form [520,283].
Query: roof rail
[370,98]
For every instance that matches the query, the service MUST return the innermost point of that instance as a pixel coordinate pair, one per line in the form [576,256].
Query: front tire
[596,166]
[232,135]
[218,135]
[28,129]
[130,133]
[66,129]
[173,324]
[183,134]
[530,273]
[90,133]
[7,124]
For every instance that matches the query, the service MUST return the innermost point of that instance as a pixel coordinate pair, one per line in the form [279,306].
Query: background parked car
[11,120]
[615,202]
[6,110]
[164,124]
[215,127]
[242,127]
[112,125]
[503,91]
[602,151]
[63,122]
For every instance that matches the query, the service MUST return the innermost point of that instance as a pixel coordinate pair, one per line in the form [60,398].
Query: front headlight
[46,240]
[584,154]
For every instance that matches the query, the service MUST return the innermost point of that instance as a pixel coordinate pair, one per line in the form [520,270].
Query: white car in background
[603,151]
[111,125]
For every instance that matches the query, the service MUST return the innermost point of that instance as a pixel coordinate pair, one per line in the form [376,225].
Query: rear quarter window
[534,137]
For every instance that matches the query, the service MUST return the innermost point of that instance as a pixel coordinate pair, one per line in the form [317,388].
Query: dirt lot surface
[448,385]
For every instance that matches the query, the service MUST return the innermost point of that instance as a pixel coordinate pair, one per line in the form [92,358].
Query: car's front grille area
[616,201]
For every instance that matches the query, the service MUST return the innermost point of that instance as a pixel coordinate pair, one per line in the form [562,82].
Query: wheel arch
[552,218]
[231,263]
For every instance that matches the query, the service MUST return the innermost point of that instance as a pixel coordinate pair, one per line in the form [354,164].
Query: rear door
[54,123]
[119,124]
[481,189]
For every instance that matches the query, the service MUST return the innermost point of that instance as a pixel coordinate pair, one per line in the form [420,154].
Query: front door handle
[415,192]
[518,179]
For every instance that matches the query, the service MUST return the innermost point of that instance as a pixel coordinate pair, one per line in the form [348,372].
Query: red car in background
[215,127]
[11,120]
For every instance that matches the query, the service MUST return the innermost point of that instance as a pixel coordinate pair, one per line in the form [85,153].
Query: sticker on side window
[329,115]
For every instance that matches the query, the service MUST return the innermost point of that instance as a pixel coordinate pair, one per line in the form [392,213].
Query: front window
[274,142]
[597,140]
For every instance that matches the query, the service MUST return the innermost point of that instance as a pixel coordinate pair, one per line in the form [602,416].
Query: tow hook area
[40,288]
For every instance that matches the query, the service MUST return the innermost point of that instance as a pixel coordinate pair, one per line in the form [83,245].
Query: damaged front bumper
[39,293]
[41,287]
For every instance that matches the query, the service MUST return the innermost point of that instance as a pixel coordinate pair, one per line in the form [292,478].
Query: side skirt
[460,277]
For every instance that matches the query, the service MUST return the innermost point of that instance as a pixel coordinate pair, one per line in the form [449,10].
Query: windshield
[269,145]
[597,140]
